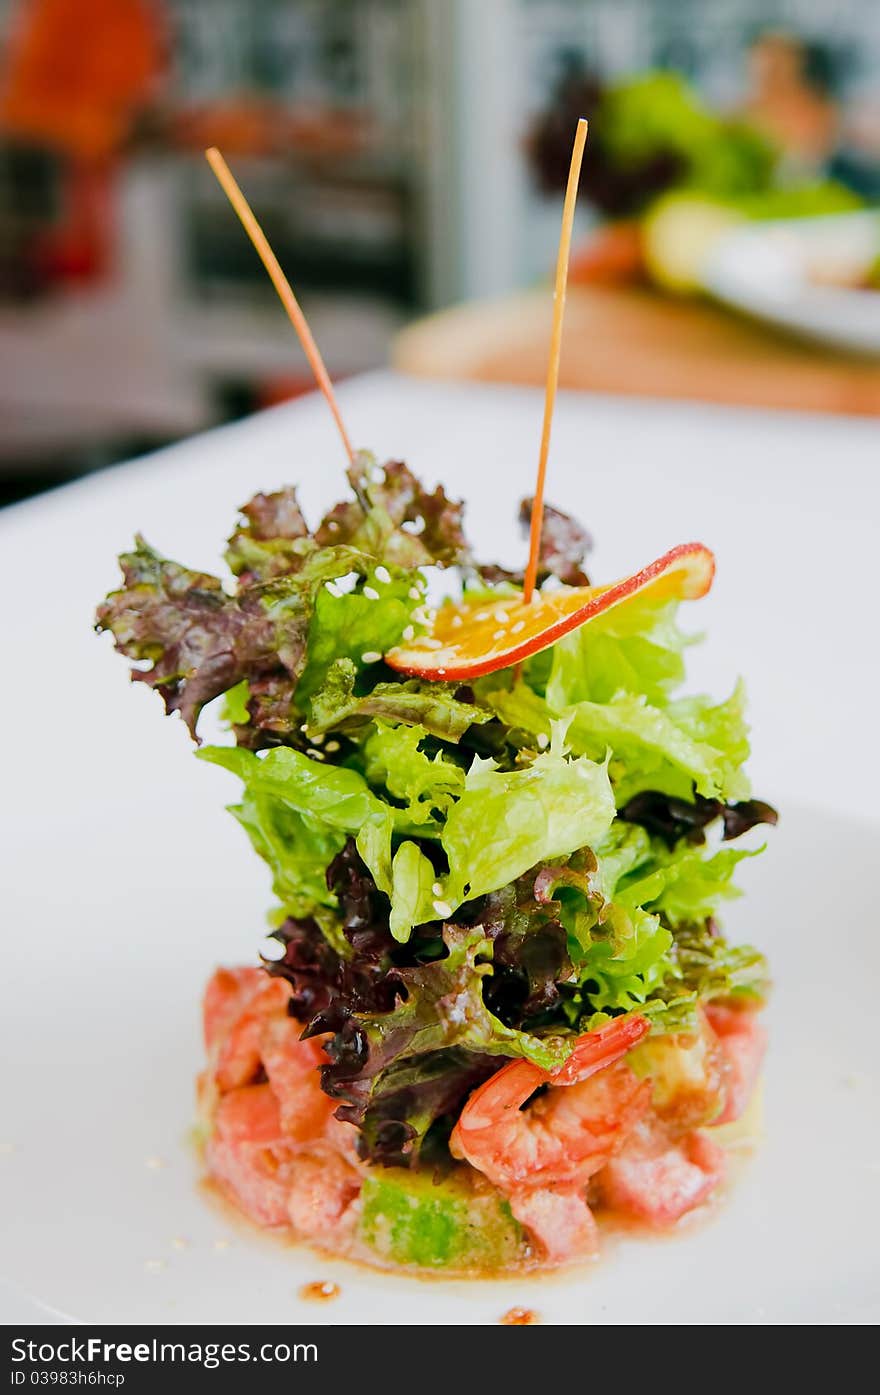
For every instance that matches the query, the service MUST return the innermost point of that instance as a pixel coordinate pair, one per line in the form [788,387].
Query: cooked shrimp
[543,1157]
[567,1134]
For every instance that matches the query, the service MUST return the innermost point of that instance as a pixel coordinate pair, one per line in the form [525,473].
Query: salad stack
[499,1006]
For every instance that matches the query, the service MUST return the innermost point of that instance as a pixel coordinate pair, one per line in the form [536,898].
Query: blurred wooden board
[626,340]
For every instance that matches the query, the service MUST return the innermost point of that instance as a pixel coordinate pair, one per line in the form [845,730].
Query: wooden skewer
[555,347]
[285,294]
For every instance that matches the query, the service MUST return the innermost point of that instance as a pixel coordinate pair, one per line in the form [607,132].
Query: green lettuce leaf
[636,648]
[294,804]
[358,625]
[335,705]
[507,821]
[297,849]
[426,785]
[686,746]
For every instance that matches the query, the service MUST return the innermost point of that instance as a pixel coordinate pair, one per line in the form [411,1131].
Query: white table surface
[790,504]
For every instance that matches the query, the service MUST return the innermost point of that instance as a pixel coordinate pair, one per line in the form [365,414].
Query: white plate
[774,271]
[127,882]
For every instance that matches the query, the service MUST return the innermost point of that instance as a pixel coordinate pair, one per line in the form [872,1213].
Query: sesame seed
[501,615]
[315,754]
[377,475]
[371,593]
[499,634]
[333,525]
[414,593]
[543,741]
[437,889]
[332,747]
[410,632]
[154,1163]
[518,627]
[370,656]
[432,643]
[154,1266]
[482,615]
[457,621]
[383,575]
[443,909]
[318,738]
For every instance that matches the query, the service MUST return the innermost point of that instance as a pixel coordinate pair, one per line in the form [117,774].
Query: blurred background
[409,155]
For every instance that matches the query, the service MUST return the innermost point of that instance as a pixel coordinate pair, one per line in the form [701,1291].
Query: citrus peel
[475,636]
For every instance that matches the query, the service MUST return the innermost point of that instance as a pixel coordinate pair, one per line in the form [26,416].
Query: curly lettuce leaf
[395,518]
[672,819]
[426,786]
[562,549]
[497,824]
[386,1067]
[436,707]
[194,640]
[618,973]
[687,884]
[272,537]
[636,648]
[358,625]
[693,745]
[297,849]
[507,821]
[294,803]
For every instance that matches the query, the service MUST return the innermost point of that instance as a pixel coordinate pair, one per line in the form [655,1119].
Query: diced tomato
[247,1153]
[225,996]
[561,1222]
[659,1179]
[293,1066]
[322,1189]
[743,1041]
[237,1054]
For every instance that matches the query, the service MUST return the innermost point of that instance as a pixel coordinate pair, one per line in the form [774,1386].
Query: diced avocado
[408,1218]
[686,1075]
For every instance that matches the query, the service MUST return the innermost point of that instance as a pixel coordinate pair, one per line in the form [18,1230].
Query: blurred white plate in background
[126,882]
[789,273]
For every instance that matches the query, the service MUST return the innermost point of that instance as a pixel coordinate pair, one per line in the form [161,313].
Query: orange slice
[474,637]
